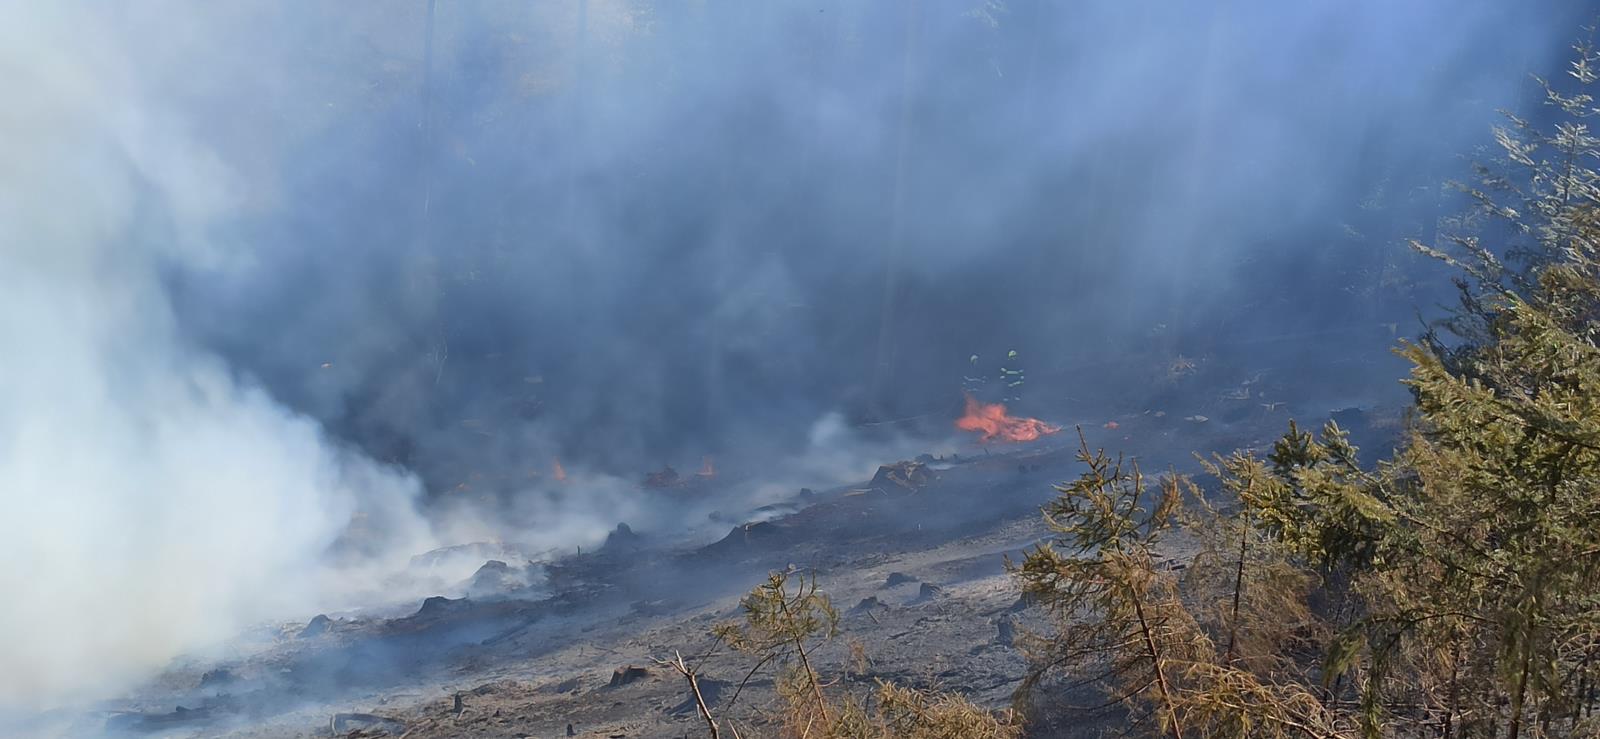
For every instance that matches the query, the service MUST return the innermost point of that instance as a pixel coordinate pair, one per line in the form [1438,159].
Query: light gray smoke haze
[291,291]
[153,500]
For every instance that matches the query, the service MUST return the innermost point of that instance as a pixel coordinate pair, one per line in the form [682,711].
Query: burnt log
[626,675]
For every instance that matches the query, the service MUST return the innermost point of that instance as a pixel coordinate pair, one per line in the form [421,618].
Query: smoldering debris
[494,578]
[902,477]
[898,578]
[867,604]
[747,539]
[438,606]
[179,718]
[927,592]
[636,580]
[711,691]
[622,540]
[317,626]
[626,675]
[666,477]
[356,725]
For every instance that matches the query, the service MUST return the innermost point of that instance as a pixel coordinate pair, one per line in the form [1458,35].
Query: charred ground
[913,557]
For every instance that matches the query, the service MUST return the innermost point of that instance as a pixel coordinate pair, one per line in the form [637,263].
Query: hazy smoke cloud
[154,500]
[240,240]
[628,232]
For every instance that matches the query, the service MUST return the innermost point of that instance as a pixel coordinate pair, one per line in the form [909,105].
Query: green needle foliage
[786,619]
[1120,619]
[1453,591]
[781,623]
[1214,652]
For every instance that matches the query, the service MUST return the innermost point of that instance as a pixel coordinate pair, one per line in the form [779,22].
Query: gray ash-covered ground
[913,559]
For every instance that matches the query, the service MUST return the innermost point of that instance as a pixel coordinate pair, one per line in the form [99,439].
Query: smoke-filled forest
[901,370]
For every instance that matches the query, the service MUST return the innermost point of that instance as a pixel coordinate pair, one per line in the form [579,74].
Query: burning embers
[991,420]
[667,477]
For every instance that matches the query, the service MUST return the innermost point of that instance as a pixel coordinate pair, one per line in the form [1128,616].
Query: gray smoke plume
[274,275]
[155,500]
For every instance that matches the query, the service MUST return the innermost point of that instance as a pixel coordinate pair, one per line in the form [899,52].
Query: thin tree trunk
[1455,686]
[1238,590]
[1586,697]
[1491,698]
[700,702]
[1583,687]
[1517,698]
[689,674]
[811,677]
[805,664]
[1160,665]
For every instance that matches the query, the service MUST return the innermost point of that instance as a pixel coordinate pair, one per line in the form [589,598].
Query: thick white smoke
[653,230]
[150,500]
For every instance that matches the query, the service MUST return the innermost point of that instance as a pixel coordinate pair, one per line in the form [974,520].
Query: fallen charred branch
[365,725]
[317,626]
[746,538]
[626,675]
[145,723]
[665,477]
[902,476]
[698,692]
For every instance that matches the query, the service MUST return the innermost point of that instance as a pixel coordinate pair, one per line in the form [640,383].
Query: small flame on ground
[556,470]
[707,469]
[991,420]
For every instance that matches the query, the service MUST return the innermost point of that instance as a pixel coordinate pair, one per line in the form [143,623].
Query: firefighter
[1011,378]
[1004,387]
[974,382]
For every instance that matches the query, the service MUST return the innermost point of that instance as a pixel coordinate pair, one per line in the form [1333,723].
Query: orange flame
[556,470]
[707,469]
[991,420]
